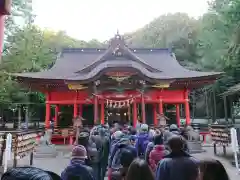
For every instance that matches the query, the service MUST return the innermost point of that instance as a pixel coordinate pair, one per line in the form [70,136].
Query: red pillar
[178,115]
[95,110]
[75,110]
[102,112]
[80,110]
[155,121]
[48,111]
[160,107]
[134,114]
[75,106]
[143,109]
[56,115]
[187,109]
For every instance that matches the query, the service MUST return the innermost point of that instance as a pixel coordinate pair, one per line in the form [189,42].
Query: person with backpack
[126,159]
[142,140]
[123,143]
[114,159]
[157,153]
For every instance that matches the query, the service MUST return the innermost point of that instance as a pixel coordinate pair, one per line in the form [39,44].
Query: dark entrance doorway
[119,115]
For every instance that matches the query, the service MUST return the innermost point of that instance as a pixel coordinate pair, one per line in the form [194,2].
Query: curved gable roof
[87,63]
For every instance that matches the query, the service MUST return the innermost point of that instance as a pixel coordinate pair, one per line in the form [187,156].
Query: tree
[177,31]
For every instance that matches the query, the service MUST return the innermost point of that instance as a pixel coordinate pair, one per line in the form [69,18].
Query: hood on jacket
[159,147]
[176,132]
[143,135]
[124,141]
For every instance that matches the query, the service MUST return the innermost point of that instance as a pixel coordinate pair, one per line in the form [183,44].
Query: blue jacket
[180,166]
[114,158]
[141,138]
[77,168]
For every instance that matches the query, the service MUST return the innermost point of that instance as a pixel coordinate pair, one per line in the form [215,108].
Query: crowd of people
[127,153]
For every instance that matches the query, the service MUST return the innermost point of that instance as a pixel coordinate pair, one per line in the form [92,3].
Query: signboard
[119,76]
[76,87]
[163,85]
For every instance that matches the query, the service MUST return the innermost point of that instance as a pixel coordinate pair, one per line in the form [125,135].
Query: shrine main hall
[116,83]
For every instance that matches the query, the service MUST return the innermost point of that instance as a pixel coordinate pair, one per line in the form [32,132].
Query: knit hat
[144,127]
[79,152]
[118,135]
[173,127]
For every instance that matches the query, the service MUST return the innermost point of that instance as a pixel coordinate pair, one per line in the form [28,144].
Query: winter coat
[156,155]
[77,169]
[117,152]
[141,145]
[93,154]
[150,147]
[180,166]
[120,174]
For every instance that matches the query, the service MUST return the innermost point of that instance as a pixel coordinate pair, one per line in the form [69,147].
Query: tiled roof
[88,63]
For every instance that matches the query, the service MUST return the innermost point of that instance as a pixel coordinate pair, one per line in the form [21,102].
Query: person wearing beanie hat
[77,169]
[157,153]
[144,128]
[117,135]
[79,152]
[142,140]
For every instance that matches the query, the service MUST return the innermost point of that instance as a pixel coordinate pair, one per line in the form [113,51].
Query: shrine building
[116,84]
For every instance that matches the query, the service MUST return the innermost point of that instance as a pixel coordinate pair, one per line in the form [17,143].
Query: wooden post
[134,114]
[48,111]
[225,108]
[19,116]
[31,158]
[155,121]
[143,108]
[178,115]
[3,148]
[187,109]
[160,107]
[56,115]
[80,110]
[75,110]
[95,105]
[102,112]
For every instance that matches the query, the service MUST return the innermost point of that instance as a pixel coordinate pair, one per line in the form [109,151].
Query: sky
[100,19]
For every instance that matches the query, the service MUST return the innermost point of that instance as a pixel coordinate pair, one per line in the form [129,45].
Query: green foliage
[29,49]
[210,43]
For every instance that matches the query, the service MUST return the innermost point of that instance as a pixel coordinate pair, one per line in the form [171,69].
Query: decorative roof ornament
[117,41]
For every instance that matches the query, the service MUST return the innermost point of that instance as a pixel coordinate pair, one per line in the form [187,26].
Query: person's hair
[25,173]
[213,170]
[127,157]
[176,143]
[139,170]
[158,140]
[133,131]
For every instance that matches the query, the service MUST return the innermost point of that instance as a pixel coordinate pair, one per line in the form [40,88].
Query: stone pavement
[60,162]
[232,171]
